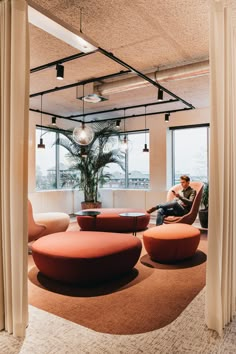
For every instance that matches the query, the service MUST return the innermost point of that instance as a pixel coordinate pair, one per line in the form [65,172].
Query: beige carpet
[150,297]
[188,334]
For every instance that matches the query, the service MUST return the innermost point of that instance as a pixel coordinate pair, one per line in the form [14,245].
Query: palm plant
[92,166]
[203,213]
[205,195]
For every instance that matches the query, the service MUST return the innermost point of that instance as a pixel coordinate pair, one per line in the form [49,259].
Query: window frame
[57,157]
[182,127]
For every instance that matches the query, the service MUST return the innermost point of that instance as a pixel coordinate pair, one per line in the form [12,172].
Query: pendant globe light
[145,149]
[84,134]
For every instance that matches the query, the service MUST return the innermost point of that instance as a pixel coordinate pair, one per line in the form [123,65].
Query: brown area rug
[148,298]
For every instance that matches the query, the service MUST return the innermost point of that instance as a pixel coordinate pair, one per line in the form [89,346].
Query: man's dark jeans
[169,209]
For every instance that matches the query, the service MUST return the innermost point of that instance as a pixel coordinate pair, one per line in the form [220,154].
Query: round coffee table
[135,216]
[92,213]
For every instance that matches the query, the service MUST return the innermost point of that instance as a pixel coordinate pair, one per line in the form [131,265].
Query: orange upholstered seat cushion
[85,257]
[171,242]
[111,221]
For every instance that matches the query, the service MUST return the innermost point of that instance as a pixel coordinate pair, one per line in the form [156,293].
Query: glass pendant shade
[83,135]
[125,145]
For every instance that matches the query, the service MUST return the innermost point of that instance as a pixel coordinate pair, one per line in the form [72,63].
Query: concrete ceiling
[151,36]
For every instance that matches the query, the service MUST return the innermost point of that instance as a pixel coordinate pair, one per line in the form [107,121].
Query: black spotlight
[54,121]
[118,124]
[167,117]
[160,95]
[60,72]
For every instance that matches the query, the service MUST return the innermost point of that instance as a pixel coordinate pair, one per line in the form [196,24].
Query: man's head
[184,181]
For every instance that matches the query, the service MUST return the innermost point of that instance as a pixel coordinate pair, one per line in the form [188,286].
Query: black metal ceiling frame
[101,78]
[113,110]
[61,61]
[112,118]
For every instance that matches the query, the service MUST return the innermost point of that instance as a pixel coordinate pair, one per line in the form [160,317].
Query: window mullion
[57,163]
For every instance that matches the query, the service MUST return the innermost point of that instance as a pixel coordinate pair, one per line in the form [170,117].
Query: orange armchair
[192,214]
[42,224]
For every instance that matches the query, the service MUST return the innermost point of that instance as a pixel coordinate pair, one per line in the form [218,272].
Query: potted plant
[203,212]
[91,160]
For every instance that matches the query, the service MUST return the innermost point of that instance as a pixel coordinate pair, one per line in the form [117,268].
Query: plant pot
[91,205]
[203,218]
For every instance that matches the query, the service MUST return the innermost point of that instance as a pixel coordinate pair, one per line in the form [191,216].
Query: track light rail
[111,118]
[154,83]
[127,107]
[60,61]
[80,83]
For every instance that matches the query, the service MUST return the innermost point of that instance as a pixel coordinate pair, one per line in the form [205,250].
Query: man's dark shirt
[186,197]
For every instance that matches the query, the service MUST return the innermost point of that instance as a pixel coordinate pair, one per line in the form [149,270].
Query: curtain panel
[14,110]
[221,267]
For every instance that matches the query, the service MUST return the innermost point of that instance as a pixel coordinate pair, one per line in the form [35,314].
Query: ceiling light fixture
[145,149]
[54,121]
[167,117]
[124,146]
[83,151]
[93,98]
[90,94]
[41,18]
[60,71]
[41,145]
[84,134]
[160,95]
[118,124]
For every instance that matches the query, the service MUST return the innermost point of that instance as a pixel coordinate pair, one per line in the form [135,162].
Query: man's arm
[188,201]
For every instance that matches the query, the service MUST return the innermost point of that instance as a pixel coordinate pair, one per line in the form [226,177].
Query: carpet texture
[148,298]
[188,334]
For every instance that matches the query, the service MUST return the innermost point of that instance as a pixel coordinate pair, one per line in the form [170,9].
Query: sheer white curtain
[14,108]
[221,265]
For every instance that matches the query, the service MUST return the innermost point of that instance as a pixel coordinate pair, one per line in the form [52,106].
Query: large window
[190,153]
[53,164]
[136,173]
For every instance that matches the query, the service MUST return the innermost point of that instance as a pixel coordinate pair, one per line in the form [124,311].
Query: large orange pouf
[86,257]
[109,220]
[171,243]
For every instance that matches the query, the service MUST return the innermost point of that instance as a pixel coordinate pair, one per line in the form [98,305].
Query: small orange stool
[172,242]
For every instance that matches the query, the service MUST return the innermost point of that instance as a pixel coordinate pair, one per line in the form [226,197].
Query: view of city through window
[190,153]
[190,156]
[53,164]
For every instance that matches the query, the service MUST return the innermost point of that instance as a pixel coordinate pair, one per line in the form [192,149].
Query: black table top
[132,214]
[88,213]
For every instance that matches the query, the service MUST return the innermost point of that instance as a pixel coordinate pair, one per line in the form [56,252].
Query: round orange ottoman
[109,220]
[85,257]
[171,242]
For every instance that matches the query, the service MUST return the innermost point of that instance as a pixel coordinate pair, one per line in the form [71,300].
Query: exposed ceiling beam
[49,23]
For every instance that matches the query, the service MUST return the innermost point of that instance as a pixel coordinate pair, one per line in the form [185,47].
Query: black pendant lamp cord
[124,119]
[83,107]
[145,125]
[41,116]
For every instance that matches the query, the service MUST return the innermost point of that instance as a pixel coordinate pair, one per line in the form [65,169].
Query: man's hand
[176,194]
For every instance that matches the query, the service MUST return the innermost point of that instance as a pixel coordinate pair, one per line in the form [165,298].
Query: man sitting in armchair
[180,205]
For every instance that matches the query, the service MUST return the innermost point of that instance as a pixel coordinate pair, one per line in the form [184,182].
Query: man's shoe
[151,210]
